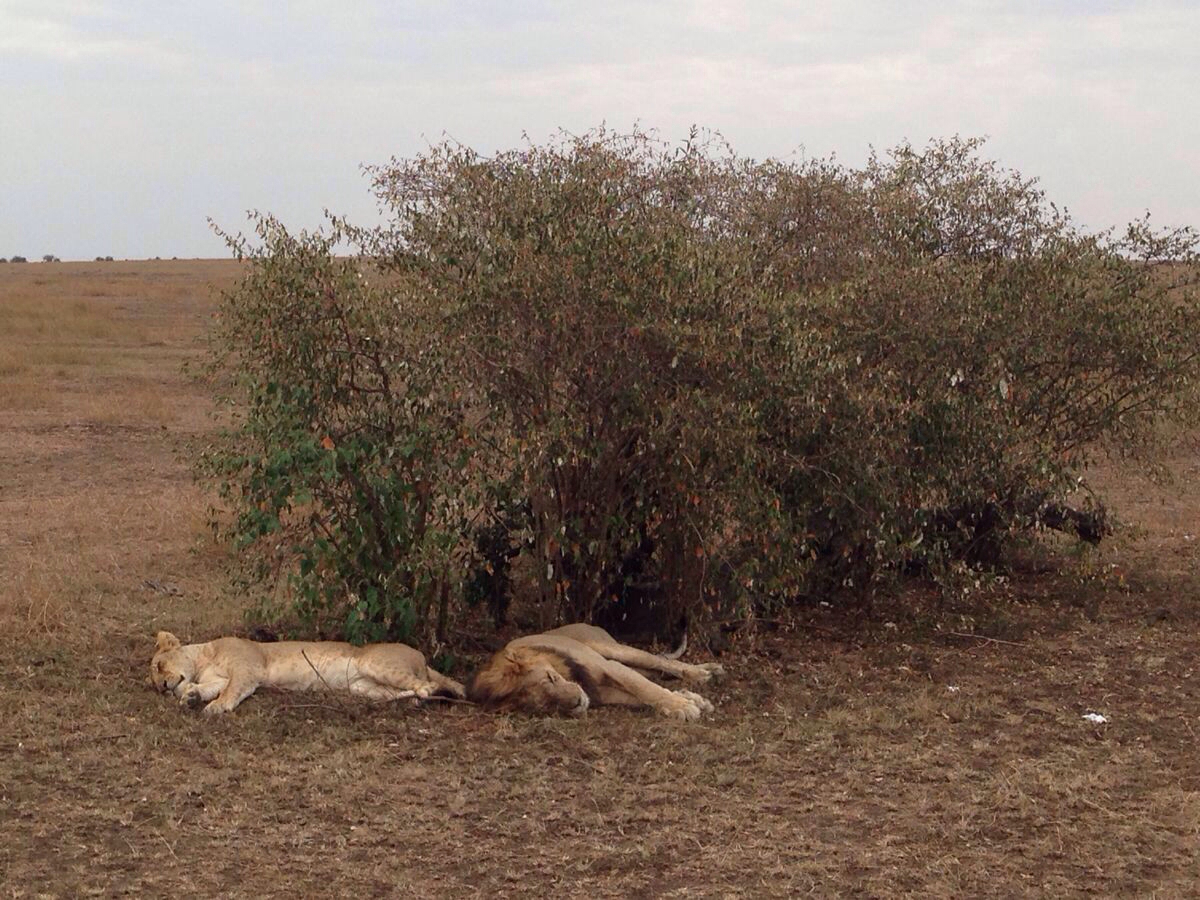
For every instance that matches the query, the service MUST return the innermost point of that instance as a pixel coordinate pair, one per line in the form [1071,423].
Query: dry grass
[900,761]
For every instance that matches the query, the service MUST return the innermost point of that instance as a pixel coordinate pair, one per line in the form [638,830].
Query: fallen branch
[982,637]
[1087,525]
[984,518]
[287,707]
[170,849]
[403,695]
[344,708]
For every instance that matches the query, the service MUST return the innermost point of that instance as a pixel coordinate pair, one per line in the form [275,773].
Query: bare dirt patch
[895,759]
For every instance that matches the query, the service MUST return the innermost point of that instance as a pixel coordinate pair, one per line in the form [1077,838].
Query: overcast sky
[124,125]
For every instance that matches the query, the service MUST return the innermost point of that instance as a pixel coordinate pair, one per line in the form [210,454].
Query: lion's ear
[516,660]
[166,641]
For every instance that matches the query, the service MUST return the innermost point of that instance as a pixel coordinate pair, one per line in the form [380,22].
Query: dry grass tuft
[916,764]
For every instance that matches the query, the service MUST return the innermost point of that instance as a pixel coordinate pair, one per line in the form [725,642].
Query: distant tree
[3,260]
[50,257]
[108,259]
[18,259]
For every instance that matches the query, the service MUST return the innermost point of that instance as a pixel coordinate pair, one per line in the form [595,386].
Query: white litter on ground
[1095,718]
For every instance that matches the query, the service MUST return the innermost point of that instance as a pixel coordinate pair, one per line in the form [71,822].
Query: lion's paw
[684,713]
[704,705]
[680,707]
[702,673]
[191,697]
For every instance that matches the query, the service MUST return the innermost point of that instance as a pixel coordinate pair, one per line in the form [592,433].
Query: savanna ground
[935,754]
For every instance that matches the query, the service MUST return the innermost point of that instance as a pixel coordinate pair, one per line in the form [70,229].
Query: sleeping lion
[224,672]
[570,669]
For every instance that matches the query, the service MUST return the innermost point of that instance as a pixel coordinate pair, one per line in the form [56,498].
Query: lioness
[224,672]
[569,669]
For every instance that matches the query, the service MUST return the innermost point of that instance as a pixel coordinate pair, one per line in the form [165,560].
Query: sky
[125,126]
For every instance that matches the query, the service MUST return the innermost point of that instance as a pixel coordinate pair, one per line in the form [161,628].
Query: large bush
[610,375]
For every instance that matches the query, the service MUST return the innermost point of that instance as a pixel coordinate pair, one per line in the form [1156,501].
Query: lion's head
[531,680]
[170,668]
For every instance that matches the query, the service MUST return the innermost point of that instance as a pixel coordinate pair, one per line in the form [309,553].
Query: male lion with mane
[224,672]
[570,669]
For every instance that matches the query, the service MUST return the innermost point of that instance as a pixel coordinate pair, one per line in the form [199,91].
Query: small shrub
[18,259]
[341,459]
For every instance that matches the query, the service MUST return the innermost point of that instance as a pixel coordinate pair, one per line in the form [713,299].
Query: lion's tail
[678,651]
[446,687]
